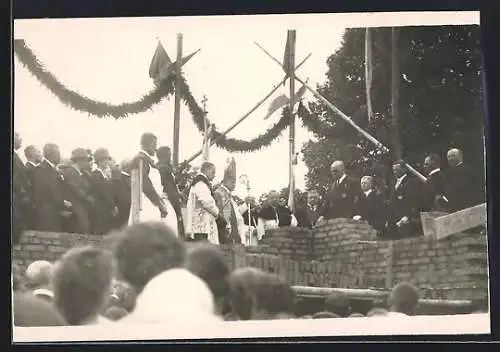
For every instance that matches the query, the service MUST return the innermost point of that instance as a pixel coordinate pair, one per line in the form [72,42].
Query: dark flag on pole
[159,62]
[286,57]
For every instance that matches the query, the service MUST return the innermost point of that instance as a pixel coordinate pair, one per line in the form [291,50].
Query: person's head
[377,312]
[398,169]
[356,315]
[39,274]
[273,198]
[243,285]
[229,183]
[454,157]
[338,303]
[81,283]
[33,154]
[102,158]
[325,315]
[149,143]
[366,183]
[313,197]
[275,299]
[114,313]
[337,169]
[164,155]
[208,169]
[81,159]
[30,311]
[431,162]
[404,298]
[250,200]
[18,141]
[209,264]
[145,250]
[51,153]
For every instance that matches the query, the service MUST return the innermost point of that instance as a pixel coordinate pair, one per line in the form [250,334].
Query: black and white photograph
[249,177]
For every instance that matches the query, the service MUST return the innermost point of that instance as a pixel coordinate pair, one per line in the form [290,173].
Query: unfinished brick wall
[340,253]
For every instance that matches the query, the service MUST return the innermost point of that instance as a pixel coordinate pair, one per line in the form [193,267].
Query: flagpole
[177,102]
[291,60]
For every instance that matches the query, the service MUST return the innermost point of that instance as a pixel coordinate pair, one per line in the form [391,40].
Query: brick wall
[340,253]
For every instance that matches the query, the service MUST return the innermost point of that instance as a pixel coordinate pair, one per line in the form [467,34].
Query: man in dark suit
[307,216]
[48,192]
[340,200]
[104,209]
[78,191]
[462,187]
[169,185]
[370,206]
[404,219]
[434,192]
[122,192]
[33,159]
[22,202]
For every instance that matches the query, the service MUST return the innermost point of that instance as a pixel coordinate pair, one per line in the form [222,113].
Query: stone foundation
[340,253]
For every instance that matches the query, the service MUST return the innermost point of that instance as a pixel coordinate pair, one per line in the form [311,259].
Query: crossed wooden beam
[346,118]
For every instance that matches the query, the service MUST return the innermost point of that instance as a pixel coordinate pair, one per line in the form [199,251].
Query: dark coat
[435,186]
[23,205]
[404,201]
[102,211]
[307,216]
[372,209]
[122,195]
[147,185]
[78,193]
[462,188]
[269,213]
[172,192]
[48,195]
[253,218]
[340,201]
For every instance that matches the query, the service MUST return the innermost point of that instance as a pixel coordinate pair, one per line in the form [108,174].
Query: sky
[107,59]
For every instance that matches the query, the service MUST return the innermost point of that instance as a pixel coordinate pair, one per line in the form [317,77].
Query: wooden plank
[429,223]
[135,193]
[460,221]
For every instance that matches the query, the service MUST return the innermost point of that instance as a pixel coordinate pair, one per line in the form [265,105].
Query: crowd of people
[149,275]
[91,193]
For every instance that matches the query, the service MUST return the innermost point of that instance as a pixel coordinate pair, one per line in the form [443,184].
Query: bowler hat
[101,154]
[79,154]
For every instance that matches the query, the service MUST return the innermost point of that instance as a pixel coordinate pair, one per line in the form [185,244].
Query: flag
[159,61]
[187,58]
[278,102]
[291,189]
[368,71]
[287,67]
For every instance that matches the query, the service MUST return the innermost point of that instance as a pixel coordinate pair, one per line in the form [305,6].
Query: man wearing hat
[101,188]
[230,234]
[78,191]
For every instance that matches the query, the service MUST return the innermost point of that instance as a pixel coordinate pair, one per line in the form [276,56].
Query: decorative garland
[82,103]
[79,102]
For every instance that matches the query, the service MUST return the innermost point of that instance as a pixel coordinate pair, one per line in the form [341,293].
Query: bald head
[39,273]
[338,169]
[366,183]
[455,157]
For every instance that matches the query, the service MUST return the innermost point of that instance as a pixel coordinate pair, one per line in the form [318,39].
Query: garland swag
[82,103]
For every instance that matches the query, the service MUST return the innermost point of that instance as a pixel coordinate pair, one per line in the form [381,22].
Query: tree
[440,101]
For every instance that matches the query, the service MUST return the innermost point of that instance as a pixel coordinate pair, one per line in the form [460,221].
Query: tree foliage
[440,101]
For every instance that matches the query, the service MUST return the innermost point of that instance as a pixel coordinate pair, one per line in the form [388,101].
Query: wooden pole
[177,103]
[291,58]
[234,125]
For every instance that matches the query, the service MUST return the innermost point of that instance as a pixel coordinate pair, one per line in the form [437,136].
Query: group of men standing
[396,212]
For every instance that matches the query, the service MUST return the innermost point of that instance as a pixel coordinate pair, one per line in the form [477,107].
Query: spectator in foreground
[18,281]
[145,250]
[403,299]
[338,303]
[325,315]
[39,277]
[356,315]
[115,313]
[122,295]
[209,264]
[30,311]
[82,281]
[175,296]
[378,312]
[243,285]
[275,299]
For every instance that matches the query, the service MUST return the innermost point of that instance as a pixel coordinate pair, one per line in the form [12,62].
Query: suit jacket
[307,216]
[30,171]
[283,213]
[78,193]
[172,192]
[435,185]
[253,218]
[122,197]
[102,211]
[223,201]
[340,200]
[48,195]
[404,201]
[461,188]
[147,185]
[372,209]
